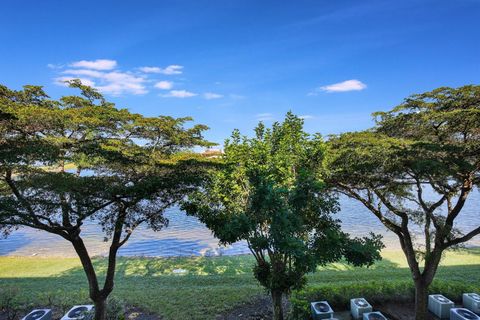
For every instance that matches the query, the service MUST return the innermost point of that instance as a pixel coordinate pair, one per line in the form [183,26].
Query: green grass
[211,286]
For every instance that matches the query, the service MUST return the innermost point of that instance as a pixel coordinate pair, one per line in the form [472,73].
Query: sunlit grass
[210,287]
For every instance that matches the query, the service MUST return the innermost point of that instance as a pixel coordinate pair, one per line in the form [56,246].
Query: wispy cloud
[150,69]
[99,64]
[306,117]
[211,95]
[264,117]
[62,81]
[108,78]
[344,86]
[179,94]
[169,70]
[112,82]
[164,85]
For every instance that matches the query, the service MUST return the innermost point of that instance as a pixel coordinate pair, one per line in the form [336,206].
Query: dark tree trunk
[100,308]
[277,305]
[99,297]
[421,300]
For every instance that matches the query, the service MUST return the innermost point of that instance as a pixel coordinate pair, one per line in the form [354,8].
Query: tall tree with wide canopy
[80,158]
[415,171]
[270,193]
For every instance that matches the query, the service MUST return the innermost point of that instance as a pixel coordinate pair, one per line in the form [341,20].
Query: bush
[339,295]
[8,302]
[115,309]
[62,300]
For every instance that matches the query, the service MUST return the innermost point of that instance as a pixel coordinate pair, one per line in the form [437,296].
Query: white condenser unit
[79,312]
[376,315]
[359,306]
[39,314]
[462,314]
[321,310]
[471,301]
[440,305]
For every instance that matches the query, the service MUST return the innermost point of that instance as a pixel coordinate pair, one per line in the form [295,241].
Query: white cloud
[171,69]
[264,117]
[306,117]
[84,72]
[54,66]
[164,85]
[112,82]
[99,64]
[62,81]
[211,95]
[121,82]
[150,69]
[348,85]
[179,94]
[104,75]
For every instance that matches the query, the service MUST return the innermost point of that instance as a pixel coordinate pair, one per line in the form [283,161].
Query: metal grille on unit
[471,301]
[376,315]
[321,310]
[79,312]
[39,314]
[359,306]
[462,314]
[440,305]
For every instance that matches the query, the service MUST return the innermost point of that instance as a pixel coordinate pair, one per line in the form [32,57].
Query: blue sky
[231,63]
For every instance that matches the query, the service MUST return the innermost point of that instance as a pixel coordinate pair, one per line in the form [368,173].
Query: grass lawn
[211,286]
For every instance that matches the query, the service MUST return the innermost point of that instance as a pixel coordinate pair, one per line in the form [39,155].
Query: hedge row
[339,295]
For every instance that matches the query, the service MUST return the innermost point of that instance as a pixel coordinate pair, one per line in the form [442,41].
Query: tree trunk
[277,305]
[100,308]
[421,300]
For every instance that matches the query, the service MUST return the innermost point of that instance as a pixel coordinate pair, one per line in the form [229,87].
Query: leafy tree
[270,193]
[80,158]
[415,171]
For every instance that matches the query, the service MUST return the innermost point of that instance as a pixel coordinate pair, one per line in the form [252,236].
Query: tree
[63,162]
[415,171]
[270,193]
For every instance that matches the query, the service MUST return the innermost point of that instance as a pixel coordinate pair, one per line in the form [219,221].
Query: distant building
[212,153]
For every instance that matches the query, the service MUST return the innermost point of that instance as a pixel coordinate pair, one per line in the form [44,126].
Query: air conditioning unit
[79,312]
[376,315]
[440,306]
[462,314]
[321,310]
[471,301]
[359,306]
[39,314]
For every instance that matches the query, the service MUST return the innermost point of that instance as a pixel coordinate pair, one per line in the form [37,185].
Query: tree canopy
[77,158]
[270,192]
[415,171]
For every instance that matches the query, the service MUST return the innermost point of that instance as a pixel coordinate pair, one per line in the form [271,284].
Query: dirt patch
[401,311]
[134,313]
[259,308]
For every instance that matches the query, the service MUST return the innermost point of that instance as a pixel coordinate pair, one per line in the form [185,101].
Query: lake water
[186,236]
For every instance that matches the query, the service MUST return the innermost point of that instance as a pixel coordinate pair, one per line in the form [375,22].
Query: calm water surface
[186,236]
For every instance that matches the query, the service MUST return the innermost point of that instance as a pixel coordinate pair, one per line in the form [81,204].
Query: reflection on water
[186,236]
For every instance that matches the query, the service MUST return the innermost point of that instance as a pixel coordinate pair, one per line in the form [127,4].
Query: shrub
[115,309]
[63,300]
[8,302]
[339,295]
